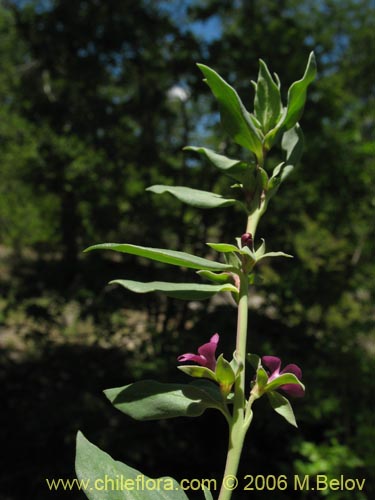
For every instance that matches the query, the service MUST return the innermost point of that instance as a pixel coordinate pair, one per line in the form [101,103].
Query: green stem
[238,425]
[242,414]
[254,218]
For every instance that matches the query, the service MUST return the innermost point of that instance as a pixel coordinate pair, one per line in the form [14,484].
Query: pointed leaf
[267,103]
[237,366]
[274,134]
[277,170]
[282,406]
[292,143]
[254,184]
[207,494]
[261,250]
[247,251]
[185,291]
[256,122]
[234,168]
[274,254]
[223,247]
[280,173]
[296,101]
[233,260]
[262,378]
[94,465]
[285,378]
[162,255]
[277,79]
[198,371]
[194,197]
[297,94]
[151,400]
[254,360]
[234,116]
[224,371]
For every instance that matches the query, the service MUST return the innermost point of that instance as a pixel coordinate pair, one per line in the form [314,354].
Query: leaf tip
[312,62]
[80,439]
[261,62]
[106,393]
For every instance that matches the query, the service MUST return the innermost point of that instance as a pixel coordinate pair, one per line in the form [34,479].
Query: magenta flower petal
[293,390]
[192,357]
[273,364]
[296,370]
[206,354]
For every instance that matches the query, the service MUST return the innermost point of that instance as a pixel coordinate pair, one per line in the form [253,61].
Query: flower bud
[247,240]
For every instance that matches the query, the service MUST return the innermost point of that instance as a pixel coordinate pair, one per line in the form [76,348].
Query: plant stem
[238,426]
[254,218]
[242,413]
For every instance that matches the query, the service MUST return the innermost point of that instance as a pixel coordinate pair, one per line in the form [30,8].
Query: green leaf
[151,400]
[237,366]
[274,254]
[225,375]
[233,260]
[162,255]
[250,253]
[223,247]
[292,143]
[279,174]
[261,250]
[296,101]
[282,406]
[194,197]
[198,371]
[267,103]
[254,184]
[285,378]
[234,168]
[93,466]
[273,135]
[254,360]
[277,79]
[235,118]
[207,494]
[224,371]
[262,378]
[216,278]
[185,291]
[297,94]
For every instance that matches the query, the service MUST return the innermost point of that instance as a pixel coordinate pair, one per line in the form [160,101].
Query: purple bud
[247,240]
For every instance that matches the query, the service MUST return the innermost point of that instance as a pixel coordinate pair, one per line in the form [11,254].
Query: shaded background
[97,100]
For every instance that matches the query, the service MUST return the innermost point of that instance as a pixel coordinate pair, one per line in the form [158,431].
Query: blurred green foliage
[96,101]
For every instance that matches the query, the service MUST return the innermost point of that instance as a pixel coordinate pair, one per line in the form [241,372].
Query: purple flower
[206,354]
[247,240]
[273,365]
